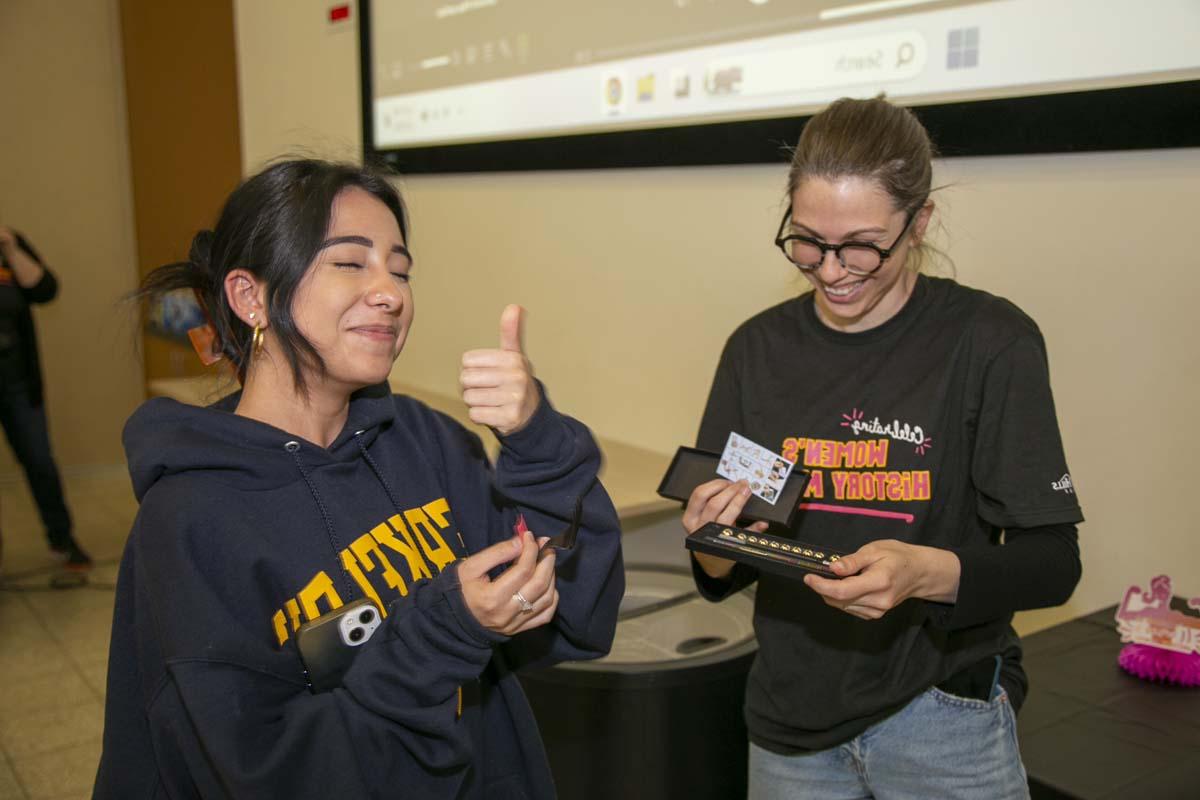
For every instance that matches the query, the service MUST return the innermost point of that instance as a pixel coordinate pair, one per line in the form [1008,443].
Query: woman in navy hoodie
[315,486]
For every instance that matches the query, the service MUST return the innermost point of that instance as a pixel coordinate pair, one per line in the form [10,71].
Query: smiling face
[859,210]
[355,304]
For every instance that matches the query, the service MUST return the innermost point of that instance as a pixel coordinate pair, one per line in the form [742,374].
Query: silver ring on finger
[526,606]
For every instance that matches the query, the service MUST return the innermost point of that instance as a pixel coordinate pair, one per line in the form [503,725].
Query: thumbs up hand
[498,385]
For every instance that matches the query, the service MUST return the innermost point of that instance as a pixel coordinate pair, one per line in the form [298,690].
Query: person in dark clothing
[24,281]
[922,411]
[315,486]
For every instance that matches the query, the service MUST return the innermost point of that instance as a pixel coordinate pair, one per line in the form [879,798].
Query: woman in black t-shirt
[921,410]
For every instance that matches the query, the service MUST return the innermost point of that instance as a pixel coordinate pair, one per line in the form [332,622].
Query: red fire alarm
[339,13]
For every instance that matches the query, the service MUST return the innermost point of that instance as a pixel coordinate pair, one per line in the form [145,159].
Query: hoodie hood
[165,437]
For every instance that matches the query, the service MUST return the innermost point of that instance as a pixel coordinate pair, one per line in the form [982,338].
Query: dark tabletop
[1090,730]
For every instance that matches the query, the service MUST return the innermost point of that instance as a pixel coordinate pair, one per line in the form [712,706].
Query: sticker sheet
[764,470]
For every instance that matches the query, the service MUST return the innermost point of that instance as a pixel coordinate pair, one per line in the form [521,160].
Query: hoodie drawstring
[387,487]
[293,447]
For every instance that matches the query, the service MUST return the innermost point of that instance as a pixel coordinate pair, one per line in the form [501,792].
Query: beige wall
[633,279]
[64,182]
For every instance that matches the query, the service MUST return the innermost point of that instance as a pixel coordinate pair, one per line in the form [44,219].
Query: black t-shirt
[13,305]
[935,428]
[20,369]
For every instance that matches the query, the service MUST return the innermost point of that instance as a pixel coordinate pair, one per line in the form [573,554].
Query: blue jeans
[938,746]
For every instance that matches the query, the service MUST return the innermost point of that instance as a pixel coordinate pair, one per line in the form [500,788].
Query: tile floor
[54,642]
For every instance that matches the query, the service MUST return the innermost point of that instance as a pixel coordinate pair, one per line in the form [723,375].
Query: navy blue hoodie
[241,537]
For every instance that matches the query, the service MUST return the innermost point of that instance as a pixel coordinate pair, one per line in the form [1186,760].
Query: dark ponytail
[190,274]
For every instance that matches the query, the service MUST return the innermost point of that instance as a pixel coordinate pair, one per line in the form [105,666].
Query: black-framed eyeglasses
[857,258]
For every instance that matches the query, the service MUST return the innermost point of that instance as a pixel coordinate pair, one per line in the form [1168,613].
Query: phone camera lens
[356,634]
[366,617]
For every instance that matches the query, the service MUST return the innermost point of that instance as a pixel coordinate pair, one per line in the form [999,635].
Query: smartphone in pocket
[329,643]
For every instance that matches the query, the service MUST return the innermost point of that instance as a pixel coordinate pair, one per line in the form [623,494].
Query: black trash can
[660,717]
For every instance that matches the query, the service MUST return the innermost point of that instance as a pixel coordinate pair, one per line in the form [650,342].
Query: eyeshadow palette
[769,553]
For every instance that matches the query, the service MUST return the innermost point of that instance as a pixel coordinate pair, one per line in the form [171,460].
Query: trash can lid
[664,624]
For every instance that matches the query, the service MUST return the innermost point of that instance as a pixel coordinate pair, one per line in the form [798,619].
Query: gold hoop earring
[256,342]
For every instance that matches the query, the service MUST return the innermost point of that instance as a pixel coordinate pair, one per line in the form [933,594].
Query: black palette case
[691,467]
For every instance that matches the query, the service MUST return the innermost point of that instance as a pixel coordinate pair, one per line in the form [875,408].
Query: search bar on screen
[847,62]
